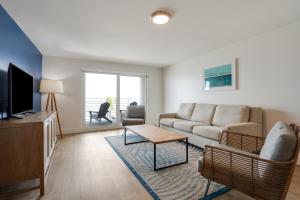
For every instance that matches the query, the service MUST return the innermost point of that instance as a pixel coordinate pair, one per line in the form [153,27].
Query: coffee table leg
[186,154]
[187,149]
[154,157]
[125,130]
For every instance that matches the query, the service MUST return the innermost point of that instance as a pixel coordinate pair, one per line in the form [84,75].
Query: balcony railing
[93,104]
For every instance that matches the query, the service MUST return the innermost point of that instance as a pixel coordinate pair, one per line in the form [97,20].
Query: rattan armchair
[235,164]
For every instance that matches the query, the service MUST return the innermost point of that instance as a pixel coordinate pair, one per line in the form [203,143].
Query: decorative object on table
[51,87]
[102,113]
[220,77]
[264,176]
[133,115]
[178,182]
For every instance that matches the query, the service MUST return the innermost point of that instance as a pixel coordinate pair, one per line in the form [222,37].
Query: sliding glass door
[100,88]
[107,95]
[131,90]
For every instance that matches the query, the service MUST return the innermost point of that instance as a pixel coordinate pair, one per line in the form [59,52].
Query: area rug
[174,183]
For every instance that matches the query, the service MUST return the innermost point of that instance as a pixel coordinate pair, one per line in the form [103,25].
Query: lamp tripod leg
[55,106]
[47,104]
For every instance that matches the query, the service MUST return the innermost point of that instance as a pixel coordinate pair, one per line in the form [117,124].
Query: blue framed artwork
[220,77]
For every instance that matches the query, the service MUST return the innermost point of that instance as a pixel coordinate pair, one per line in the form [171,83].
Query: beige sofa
[204,123]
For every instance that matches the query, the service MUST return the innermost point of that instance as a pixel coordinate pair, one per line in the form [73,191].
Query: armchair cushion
[203,113]
[132,121]
[280,143]
[185,111]
[168,121]
[185,125]
[230,114]
[211,132]
[135,112]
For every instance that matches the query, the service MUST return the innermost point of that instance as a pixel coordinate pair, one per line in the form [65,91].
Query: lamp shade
[51,86]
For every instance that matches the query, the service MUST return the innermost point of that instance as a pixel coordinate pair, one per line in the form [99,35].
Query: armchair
[265,176]
[134,115]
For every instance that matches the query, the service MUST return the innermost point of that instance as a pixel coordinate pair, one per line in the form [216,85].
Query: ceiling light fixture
[160,17]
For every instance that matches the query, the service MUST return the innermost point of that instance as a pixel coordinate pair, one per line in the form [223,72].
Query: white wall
[71,102]
[268,76]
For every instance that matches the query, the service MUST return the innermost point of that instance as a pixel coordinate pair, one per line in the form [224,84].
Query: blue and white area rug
[175,183]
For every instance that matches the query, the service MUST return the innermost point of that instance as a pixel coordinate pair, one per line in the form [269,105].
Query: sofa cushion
[230,114]
[203,113]
[185,125]
[169,121]
[280,143]
[185,111]
[211,132]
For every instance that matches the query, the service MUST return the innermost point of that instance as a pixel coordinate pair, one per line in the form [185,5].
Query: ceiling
[121,31]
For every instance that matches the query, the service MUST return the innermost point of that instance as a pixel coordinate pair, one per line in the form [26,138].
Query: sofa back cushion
[280,143]
[230,114]
[203,113]
[185,111]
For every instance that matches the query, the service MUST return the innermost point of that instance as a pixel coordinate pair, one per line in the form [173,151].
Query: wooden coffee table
[156,136]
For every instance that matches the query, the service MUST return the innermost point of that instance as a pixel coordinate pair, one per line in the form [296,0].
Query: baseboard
[93,129]
[84,130]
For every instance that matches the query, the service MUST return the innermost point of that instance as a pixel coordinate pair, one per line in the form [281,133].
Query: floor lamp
[51,87]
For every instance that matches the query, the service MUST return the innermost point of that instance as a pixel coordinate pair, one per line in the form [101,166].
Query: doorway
[117,90]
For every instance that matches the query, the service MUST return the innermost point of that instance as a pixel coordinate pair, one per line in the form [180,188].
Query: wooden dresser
[26,148]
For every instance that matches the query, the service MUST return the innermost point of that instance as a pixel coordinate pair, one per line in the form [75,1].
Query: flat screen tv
[20,91]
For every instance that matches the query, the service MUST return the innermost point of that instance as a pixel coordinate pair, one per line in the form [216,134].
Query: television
[20,91]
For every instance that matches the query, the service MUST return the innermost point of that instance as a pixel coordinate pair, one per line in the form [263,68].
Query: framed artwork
[220,77]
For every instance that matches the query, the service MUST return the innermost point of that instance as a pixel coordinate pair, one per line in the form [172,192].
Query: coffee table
[156,136]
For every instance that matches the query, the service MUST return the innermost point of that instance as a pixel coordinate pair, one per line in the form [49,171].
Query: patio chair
[134,115]
[134,103]
[102,113]
[265,176]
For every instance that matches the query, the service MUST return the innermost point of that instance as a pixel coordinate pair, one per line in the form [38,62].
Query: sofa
[204,123]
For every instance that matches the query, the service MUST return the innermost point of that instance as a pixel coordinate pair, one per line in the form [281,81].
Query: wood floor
[85,167]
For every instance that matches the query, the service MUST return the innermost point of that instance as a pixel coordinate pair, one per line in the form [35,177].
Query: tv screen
[20,90]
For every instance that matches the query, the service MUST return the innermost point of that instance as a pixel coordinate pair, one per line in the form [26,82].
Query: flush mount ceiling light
[160,17]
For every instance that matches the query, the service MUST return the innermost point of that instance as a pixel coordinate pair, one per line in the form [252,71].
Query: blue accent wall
[16,48]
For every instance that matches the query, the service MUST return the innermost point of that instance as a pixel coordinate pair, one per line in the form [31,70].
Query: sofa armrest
[247,128]
[165,115]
